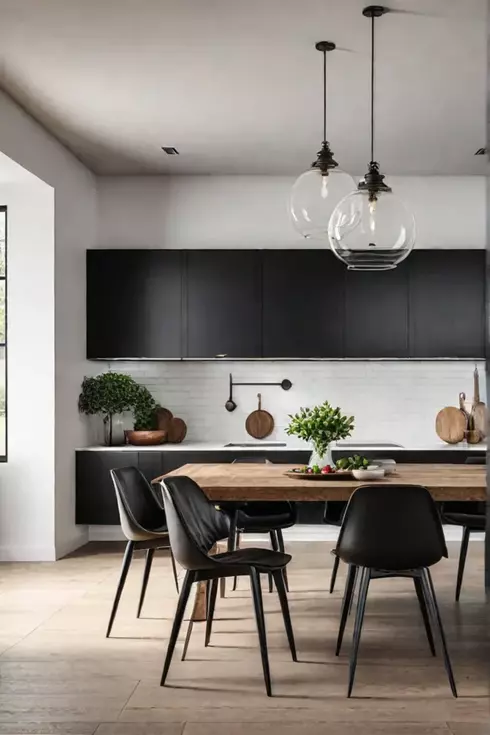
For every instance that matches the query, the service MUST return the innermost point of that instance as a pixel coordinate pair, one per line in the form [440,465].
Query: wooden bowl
[146,438]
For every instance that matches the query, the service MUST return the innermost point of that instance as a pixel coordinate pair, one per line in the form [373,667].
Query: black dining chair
[392,531]
[261,517]
[471,516]
[195,525]
[144,524]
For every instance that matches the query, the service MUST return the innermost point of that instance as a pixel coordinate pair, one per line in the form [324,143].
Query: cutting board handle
[259,396]
[476,386]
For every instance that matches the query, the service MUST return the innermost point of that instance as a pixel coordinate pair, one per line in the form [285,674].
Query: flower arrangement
[320,425]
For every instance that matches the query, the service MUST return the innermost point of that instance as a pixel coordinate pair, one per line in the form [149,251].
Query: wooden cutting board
[479,412]
[450,425]
[177,429]
[259,423]
[164,417]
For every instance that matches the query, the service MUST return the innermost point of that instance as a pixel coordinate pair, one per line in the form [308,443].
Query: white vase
[321,459]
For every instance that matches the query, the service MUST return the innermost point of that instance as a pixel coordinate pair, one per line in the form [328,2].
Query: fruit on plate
[327,470]
[352,463]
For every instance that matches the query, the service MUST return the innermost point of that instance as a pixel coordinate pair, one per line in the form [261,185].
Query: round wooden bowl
[146,438]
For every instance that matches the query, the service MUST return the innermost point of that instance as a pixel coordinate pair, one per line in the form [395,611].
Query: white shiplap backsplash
[394,401]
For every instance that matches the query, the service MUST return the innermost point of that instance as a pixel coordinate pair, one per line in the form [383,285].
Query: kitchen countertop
[220,447]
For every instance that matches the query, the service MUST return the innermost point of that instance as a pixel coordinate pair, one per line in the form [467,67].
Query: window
[3,334]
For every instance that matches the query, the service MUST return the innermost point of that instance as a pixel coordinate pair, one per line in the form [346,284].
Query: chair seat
[474,522]
[257,517]
[260,558]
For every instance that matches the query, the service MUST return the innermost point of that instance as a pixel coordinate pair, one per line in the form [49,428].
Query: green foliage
[145,417]
[107,394]
[321,425]
[112,393]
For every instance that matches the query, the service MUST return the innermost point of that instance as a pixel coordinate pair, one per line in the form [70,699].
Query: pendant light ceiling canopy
[316,193]
[371,229]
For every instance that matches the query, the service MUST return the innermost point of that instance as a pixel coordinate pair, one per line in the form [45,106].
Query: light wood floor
[60,676]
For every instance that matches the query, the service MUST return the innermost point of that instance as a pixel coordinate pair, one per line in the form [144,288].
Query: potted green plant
[108,394]
[146,431]
[321,426]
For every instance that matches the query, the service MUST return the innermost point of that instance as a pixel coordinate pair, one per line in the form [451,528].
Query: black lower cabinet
[95,497]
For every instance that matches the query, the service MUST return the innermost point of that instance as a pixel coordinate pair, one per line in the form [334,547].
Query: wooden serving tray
[344,475]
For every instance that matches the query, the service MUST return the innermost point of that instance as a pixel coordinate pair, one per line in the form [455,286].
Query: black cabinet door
[376,313]
[447,303]
[134,303]
[95,496]
[303,303]
[223,303]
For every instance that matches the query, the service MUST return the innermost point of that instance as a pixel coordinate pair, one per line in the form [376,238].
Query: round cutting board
[259,423]
[451,425]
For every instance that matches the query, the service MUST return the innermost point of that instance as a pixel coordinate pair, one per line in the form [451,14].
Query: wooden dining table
[242,482]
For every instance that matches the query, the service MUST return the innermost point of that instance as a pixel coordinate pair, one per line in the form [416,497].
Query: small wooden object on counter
[177,429]
[164,417]
[451,424]
[479,412]
[145,438]
[259,423]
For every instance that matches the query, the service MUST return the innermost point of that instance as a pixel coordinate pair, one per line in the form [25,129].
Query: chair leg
[150,553]
[361,607]
[210,611]
[179,615]
[425,613]
[237,546]
[283,599]
[275,547]
[187,639]
[259,616]
[431,598]
[128,555]
[346,603]
[462,560]
[174,569]
[335,569]
[280,541]
[357,582]
[222,587]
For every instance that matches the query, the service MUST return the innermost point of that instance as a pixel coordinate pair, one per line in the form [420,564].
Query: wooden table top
[241,482]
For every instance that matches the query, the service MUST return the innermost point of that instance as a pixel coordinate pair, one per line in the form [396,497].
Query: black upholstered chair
[471,517]
[194,526]
[261,517]
[392,531]
[143,523]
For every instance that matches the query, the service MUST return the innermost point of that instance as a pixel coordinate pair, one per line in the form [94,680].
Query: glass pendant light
[371,229]
[316,192]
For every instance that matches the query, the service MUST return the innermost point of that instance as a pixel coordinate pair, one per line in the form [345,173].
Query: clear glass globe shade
[314,197]
[371,235]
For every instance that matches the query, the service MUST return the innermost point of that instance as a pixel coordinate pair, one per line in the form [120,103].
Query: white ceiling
[235,85]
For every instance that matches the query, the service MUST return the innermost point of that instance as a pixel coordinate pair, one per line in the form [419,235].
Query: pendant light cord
[324,96]
[372,87]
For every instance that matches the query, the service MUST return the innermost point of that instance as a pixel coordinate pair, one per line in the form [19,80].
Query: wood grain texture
[235,482]
[451,425]
[177,430]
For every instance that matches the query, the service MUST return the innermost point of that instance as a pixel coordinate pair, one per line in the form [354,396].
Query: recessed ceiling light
[481,152]
[170,150]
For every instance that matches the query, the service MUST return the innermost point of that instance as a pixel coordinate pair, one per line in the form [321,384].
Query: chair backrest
[251,460]
[194,523]
[392,527]
[139,509]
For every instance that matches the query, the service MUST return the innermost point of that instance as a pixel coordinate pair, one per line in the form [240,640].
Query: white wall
[392,401]
[251,211]
[27,500]
[27,143]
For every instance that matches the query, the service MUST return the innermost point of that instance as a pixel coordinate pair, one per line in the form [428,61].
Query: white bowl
[389,465]
[371,473]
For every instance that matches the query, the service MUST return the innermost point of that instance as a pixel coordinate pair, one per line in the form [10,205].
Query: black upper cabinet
[447,303]
[376,313]
[223,303]
[303,303]
[134,303]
